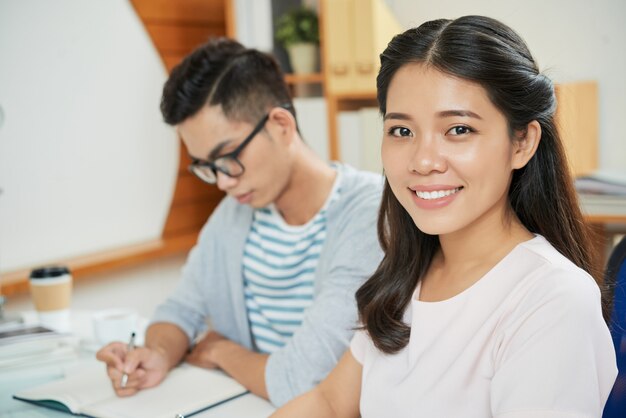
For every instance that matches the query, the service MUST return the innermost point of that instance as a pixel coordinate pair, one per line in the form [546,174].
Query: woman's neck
[478,243]
[467,255]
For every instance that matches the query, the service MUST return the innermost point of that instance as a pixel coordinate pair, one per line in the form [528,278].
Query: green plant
[299,25]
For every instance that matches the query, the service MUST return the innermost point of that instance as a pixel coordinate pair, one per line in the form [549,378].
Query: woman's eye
[460,130]
[400,131]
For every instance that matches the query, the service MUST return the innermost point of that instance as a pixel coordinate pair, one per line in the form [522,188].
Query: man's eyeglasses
[228,164]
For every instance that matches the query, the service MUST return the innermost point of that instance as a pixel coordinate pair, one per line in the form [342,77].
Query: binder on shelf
[577,121]
[355,33]
[374,26]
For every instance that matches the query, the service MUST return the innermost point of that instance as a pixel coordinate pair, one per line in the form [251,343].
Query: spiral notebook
[187,390]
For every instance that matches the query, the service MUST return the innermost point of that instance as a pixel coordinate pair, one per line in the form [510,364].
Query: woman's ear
[526,145]
[283,124]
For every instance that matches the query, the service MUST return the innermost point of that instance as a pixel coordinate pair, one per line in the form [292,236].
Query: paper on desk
[37,350]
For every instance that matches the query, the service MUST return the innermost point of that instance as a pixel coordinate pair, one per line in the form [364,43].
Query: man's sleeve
[187,306]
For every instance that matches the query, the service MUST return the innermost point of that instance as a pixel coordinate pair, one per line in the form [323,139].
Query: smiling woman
[483,304]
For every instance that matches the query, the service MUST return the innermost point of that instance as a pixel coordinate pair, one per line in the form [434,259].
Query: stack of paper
[34,345]
[602,182]
[602,193]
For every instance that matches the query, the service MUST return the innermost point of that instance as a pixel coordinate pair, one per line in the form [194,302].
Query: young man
[277,264]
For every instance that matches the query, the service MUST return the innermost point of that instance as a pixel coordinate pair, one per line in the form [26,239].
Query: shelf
[354,96]
[312,78]
[84,266]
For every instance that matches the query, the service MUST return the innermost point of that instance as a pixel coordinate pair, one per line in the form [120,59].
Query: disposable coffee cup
[51,292]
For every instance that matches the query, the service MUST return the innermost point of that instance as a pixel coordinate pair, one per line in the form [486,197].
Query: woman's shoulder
[552,278]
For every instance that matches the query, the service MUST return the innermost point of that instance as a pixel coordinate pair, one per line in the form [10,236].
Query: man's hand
[245,366]
[203,354]
[145,367]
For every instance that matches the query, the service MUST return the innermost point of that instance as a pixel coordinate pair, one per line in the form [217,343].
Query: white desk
[16,379]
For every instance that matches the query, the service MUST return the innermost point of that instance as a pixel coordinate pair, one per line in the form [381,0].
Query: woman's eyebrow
[442,114]
[454,112]
[397,115]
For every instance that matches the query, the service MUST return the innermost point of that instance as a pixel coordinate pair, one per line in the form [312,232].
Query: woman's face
[446,151]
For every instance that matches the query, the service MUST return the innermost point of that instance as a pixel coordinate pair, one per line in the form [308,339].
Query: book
[186,390]
[603,204]
[602,182]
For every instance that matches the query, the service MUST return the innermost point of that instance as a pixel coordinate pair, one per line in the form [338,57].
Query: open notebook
[186,390]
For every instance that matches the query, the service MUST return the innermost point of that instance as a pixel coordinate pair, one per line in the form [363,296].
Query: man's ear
[283,124]
[525,145]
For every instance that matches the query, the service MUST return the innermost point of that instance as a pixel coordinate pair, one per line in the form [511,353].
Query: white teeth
[436,194]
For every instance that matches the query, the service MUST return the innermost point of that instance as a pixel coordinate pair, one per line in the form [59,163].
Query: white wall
[254,24]
[571,39]
[86,163]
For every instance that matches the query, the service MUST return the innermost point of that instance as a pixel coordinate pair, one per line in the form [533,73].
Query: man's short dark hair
[245,82]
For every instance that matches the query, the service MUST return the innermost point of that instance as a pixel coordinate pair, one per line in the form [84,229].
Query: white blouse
[526,340]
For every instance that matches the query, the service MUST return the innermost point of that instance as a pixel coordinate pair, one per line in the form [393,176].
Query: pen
[131,346]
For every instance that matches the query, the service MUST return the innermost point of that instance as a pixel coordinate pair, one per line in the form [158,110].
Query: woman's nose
[427,157]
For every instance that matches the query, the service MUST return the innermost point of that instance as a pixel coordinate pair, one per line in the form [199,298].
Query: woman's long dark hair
[485,51]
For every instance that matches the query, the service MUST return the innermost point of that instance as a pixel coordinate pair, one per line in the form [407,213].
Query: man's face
[209,134]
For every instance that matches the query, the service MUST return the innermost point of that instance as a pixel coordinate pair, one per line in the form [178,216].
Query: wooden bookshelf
[314,78]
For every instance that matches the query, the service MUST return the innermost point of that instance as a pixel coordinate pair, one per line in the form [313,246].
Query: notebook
[186,390]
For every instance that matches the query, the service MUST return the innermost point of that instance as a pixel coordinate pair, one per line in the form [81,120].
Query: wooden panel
[172,38]
[180,11]
[230,18]
[172,59]
[189,188]
[185,160]
[176,28]
[188,217]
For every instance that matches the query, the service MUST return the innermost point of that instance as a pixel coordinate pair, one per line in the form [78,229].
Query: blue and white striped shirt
[279,264]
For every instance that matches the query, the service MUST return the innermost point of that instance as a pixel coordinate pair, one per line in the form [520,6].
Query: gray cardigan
[212,285]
